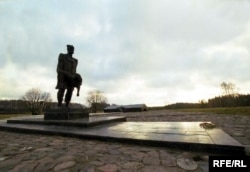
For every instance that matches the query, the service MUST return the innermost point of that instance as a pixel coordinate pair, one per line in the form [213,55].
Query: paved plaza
[35,152]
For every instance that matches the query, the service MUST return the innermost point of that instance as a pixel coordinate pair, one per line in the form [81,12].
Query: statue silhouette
[67,78]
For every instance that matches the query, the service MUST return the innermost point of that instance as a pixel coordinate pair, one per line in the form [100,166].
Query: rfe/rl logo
[229,163]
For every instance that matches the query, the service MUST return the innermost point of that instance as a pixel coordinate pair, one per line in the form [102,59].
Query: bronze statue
[67,78]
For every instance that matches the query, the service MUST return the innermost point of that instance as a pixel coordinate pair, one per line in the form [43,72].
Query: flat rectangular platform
[184,135]
[84,122]
[65,114]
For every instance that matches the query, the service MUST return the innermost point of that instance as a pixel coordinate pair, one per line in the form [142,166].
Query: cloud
[15,81]
[155,52]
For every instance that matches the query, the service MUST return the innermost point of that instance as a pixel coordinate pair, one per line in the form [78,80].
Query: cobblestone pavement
[26,152]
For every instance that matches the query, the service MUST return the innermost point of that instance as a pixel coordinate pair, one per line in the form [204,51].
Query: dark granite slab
[65,114]
[83,122]
[184,135]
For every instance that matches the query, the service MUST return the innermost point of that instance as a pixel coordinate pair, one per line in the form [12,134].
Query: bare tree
[96,99]
[36,100]
[229,89]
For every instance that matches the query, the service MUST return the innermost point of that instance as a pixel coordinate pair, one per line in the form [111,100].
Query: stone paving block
[220,137]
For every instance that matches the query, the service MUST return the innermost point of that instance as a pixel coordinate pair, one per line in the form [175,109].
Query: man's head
[70,49]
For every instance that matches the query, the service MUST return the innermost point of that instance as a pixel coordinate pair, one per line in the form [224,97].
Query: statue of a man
[67,78]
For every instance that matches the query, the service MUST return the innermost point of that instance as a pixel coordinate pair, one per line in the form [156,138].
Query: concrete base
[66,114]
[83,122]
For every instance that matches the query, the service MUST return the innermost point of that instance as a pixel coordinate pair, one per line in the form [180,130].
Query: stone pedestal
[66,114]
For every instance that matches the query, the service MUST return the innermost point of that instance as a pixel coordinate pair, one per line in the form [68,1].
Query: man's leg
[60,94]
[68,96]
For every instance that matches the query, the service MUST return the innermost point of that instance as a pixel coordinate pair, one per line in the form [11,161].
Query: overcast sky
[155,52]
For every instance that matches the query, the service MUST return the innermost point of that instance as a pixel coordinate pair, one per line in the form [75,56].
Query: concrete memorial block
[66,114]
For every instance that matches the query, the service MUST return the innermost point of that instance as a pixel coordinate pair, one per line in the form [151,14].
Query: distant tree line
[183,106]
[13,107]
[229,101]
[229,98]
[220,101]
[21,107]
